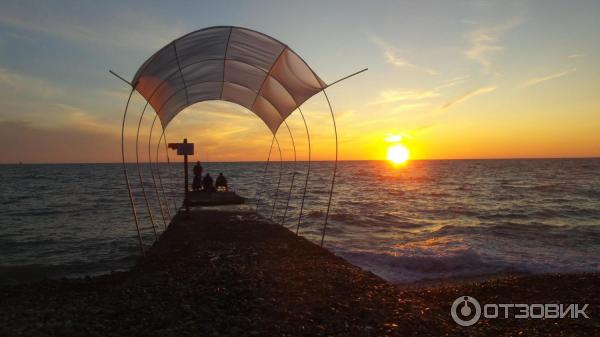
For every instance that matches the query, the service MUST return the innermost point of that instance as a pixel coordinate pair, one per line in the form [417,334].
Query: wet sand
[236,274]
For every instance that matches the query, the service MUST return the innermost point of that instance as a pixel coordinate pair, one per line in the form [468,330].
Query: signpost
[184,149]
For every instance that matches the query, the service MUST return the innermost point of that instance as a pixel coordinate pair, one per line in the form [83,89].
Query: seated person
[221,183]
[197,183]
[207,183]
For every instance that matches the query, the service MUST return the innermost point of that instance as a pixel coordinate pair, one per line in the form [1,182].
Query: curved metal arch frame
[152,173]
[162,188]
[335,166]
[160,178]
[150,159]
[139,170]
[175,208]
[307,172]
[266,167]
[287,205]
[132,202]
[279,180]
[150,163]
[258,190]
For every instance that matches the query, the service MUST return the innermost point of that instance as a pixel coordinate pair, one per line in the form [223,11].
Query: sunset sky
[453,79]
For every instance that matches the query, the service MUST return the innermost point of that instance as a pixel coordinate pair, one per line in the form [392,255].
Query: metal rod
[267,76]
[187,97]
[139,170]
[225,61]
[162,212]
[307,172]
[334,168]
[287,204]
[137,226]
[149,140]
[346,77]
[258,189]
[121,78]
[279,180]
[162,187]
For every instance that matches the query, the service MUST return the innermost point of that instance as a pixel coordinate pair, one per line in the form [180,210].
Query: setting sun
[398,154]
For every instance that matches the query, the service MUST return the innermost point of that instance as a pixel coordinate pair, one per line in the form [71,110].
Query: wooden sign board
[183,148]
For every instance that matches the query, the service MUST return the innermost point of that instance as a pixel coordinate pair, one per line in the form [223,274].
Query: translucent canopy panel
[234,64]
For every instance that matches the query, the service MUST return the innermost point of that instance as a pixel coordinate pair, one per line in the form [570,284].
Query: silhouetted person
[207,183]
[197,182]
[221,183]
[197,169]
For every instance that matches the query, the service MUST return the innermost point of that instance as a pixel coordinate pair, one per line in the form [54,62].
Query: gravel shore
[236,274]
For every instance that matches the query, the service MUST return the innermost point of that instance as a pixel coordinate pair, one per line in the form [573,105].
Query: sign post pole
[184,149]
[186,201]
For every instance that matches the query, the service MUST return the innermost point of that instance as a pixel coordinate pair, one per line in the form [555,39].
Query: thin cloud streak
[393,96]
[538,80]
[391,55]
[463,98]
[452,82]
[20,82]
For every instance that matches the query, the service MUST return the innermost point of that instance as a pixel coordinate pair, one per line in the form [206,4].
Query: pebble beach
[237,274]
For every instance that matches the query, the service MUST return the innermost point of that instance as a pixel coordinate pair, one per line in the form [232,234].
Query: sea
[425,220]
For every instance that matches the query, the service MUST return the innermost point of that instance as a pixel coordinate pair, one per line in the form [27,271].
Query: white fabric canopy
[231,64]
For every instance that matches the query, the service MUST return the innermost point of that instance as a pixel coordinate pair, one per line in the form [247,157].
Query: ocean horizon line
[300,161]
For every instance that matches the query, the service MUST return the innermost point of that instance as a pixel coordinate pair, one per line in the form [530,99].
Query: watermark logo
[466,310]
[469,312]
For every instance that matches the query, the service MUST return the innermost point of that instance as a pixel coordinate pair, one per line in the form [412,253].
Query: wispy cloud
[410,106]
[123,28]
[21,82]
[452,82]
[393,96]
[576,56]
[467,96]
[84,121]
[484,42]
[538,80]
[393,57]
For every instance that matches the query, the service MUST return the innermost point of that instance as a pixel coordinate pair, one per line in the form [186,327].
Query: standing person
[197,169]
[197,183]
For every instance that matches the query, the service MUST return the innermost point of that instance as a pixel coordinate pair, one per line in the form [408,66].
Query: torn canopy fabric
[233,64]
